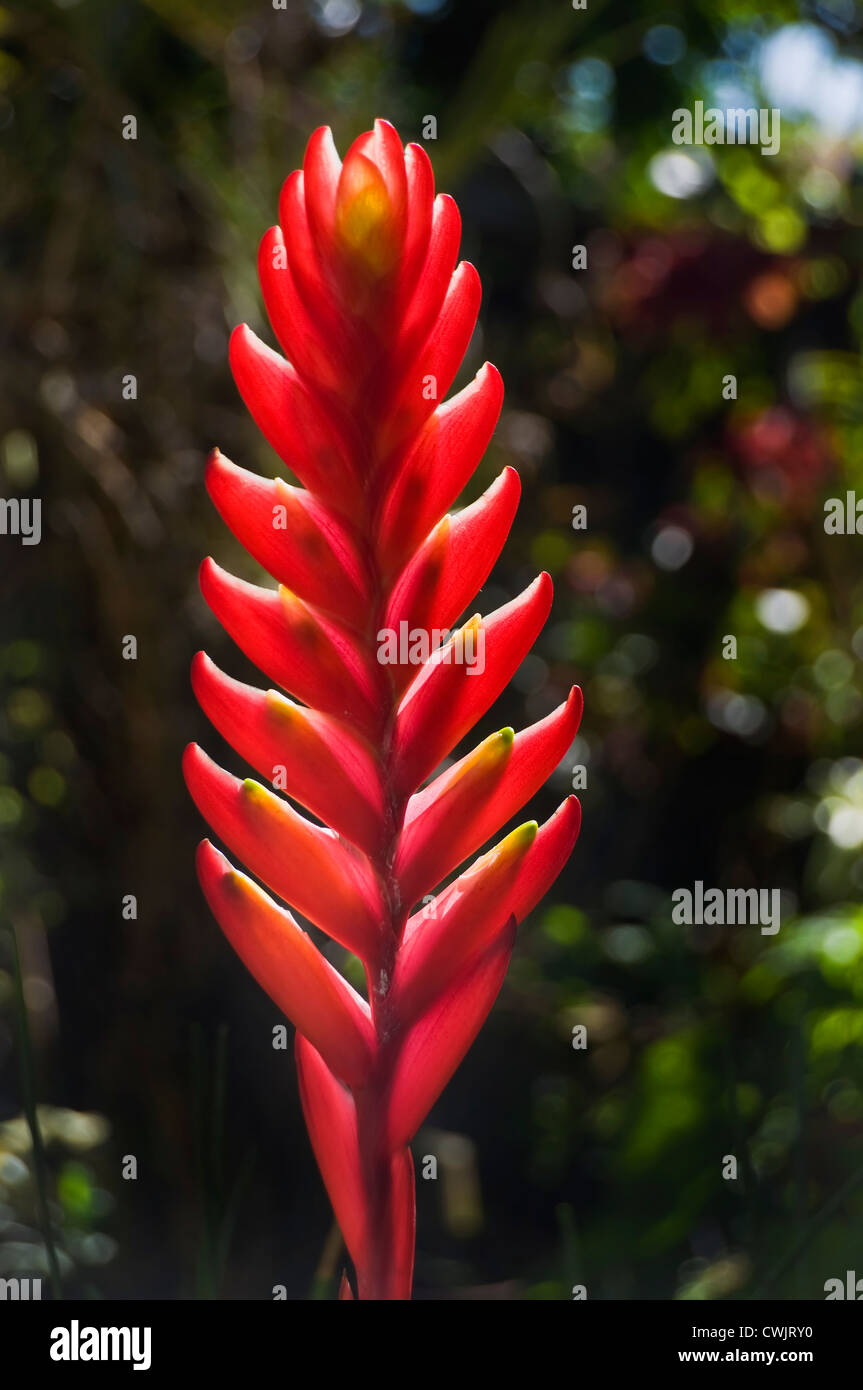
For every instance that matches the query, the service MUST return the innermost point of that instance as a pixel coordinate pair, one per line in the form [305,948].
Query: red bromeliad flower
[374,317]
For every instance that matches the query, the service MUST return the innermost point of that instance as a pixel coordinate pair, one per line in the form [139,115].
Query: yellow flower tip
[255,792]
[365,221]
[496,747]
[511,848]
[484,759]
[235,882]
[507,853]
[300,616]
[523,836]
[278,707]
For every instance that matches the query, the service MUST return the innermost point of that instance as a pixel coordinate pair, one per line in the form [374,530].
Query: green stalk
[28,1093]
[218,1205]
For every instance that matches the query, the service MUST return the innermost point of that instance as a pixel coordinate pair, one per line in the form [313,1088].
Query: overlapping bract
[373,316]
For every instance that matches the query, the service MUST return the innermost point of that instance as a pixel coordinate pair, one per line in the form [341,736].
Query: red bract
[373,316]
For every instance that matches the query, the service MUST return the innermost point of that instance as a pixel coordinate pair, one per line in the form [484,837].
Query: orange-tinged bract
[373,316]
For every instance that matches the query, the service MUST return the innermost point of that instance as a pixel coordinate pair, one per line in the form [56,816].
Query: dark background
[705,518]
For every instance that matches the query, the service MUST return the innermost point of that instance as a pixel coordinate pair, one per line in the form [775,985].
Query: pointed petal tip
[210,862]
[219,463]
[217,470]
[191,754]
[320,135]
[272,234]
[542,589]
[254,791]
[540,592]
[196,759]
[208,571]
[488,371]
[193,761]
[381,123]
[200,665]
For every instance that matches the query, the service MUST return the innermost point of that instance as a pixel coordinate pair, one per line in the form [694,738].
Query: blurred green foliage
[705,518]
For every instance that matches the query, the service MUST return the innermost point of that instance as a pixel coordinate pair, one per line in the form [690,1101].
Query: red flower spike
[366,299]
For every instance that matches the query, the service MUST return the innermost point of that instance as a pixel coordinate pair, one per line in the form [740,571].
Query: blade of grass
[751,1201]
[326,1273]
[218,1209]
[816,1224]
[798,1088]
[228,1218]
[570,1251]
[204,1271]
[28,1094]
